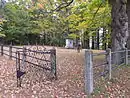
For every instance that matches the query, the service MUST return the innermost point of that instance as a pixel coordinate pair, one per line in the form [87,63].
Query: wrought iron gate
[33,63]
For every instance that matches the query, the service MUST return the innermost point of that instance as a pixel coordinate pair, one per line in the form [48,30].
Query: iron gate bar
[6,54]
[34,57]
[16,47]
[5,50]
[13,51]
[2,49]
[14,56]
[36,65]
[18,68]
[37,58]
[42,52]
[19,72]
[6,45]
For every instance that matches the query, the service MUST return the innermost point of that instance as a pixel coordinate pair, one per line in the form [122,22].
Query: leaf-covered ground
[70,82]
[117,87]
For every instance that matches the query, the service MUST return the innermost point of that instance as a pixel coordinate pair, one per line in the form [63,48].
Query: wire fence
[98,65]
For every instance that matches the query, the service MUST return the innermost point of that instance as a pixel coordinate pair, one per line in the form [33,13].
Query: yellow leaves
[81,1]
[40,5]
[74,17]
[82,25]
[2,35]
[74,20]
[2,20]
[77,22]
[73,36]
[100,10]
[89,15]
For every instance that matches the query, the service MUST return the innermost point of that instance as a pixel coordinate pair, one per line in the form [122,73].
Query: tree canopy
[52,20]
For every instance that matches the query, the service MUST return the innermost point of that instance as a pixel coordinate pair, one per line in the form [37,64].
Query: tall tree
[2,3]
[128,13]
[119,27]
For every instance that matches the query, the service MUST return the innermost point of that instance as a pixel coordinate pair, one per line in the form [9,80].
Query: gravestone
[69,43]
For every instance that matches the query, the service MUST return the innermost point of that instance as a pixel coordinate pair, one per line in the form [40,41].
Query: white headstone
[69,43]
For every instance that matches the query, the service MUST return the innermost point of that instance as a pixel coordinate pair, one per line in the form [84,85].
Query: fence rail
[105,68]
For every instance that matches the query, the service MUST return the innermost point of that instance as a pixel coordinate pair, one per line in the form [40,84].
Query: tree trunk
[104,40]
[86,44]
[98,42]
[128,13]
[119,27]
[2,3]
[86,40]
[93,42]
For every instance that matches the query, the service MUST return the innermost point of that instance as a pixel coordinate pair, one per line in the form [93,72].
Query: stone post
[126,56]
[88,72]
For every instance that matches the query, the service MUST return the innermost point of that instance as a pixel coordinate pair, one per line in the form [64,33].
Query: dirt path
[69,83]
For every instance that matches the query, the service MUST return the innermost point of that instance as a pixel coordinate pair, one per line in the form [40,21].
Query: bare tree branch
[63,5]
[59,7]
[96,12]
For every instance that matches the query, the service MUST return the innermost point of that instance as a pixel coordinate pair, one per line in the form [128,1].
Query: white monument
[69,43]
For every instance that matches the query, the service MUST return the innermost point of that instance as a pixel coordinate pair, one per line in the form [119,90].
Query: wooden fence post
[17,66]
[88,72]
[110,63]
[53,62]
[10,52]
[2,50]
[126,56]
